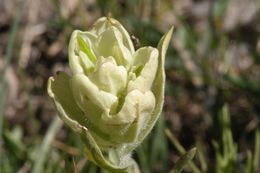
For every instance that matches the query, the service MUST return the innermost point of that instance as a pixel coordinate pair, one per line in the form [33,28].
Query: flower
[115,93]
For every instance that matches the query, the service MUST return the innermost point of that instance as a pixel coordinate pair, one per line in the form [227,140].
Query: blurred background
[212,97]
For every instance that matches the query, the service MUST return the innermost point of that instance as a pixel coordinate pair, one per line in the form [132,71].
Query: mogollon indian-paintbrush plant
[114,95]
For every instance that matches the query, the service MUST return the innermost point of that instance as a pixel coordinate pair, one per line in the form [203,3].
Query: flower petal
[158,91]
[109,77]
[132,118]
[145,63]
[83,90]
[158,85]
[81,52]
[104,23]
[60,91]
[110,43]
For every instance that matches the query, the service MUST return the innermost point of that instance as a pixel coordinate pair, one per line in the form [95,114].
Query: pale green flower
[115,93]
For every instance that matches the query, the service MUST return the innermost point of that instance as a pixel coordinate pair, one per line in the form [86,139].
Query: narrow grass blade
[184,160]
[257,151]
[249,163]
[181,149]
[46,145]
[8,57]
[202,156]
[159,147]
